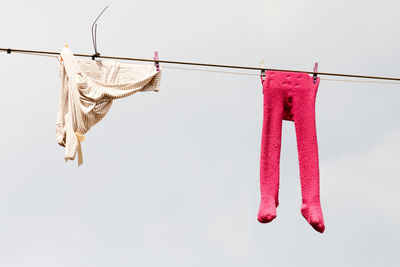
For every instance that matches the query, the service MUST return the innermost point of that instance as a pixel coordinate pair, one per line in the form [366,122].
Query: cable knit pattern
[88,88]
[290,96]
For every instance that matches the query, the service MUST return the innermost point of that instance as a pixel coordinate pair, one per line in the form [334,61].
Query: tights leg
[270,152]
[304,120]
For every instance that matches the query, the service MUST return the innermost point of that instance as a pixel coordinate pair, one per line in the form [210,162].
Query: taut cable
[205,64]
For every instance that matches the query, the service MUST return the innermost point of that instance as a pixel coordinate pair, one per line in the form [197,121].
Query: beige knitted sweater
[88,88]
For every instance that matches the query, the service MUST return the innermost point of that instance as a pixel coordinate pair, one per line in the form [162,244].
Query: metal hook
[94,34]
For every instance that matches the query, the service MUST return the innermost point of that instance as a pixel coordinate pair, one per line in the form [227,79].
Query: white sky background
[172,178]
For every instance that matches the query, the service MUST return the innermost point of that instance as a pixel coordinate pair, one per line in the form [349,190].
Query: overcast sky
[172,178]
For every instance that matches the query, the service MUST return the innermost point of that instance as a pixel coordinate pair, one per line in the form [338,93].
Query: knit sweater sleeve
[62,107]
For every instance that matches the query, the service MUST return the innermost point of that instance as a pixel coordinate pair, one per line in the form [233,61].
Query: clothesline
[37,52]
[245,73]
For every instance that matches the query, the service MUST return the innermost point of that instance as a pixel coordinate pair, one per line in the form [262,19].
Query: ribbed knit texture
[88,88]
[290,96]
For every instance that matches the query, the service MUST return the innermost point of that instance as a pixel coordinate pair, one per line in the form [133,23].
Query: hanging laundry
[88,88]
[290,96]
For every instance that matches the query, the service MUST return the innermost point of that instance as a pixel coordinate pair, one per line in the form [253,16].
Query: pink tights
[290,96]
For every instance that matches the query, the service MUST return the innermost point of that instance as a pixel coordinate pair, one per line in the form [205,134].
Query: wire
[207,64]
[218,71]
[359,81]
[254,74]
[94,32]
[41,55]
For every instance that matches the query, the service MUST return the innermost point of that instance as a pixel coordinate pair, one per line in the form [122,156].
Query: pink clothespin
[315,72]
[156,61]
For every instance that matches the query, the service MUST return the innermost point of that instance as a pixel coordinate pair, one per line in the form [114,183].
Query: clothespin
[9,51]
[156,61]
[60,59]
[262,71]
[315,72]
